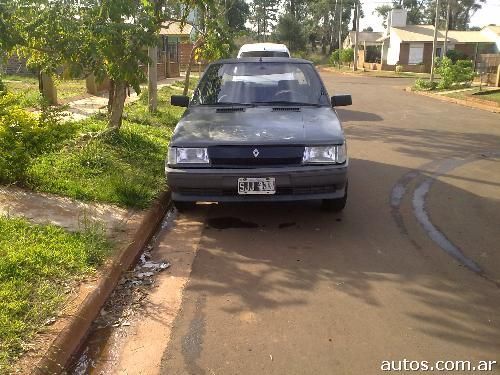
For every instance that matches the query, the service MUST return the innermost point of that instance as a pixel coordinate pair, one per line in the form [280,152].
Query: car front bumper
[292,183]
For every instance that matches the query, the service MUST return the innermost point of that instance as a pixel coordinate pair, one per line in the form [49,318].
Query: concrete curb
[465,103]
[72,336]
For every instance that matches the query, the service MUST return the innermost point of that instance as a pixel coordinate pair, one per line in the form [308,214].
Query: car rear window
[264,54]
[260,83]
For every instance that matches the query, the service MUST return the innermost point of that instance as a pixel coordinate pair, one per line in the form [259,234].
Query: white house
[411,45]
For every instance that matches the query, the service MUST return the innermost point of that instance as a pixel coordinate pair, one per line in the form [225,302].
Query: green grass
[125,168]
[193,81]
[37,263]
[493,96]
[381,73]
[26,87]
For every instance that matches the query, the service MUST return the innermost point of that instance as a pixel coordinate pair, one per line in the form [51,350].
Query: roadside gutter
[76,327]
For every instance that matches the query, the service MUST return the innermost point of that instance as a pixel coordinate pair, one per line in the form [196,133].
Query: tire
[184,206]
[335,205]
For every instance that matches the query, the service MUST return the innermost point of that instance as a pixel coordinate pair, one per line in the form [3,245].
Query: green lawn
[193,81]
[493,97]
[379,73]
[74,160]
[77,160]
[27,89]
[37,265]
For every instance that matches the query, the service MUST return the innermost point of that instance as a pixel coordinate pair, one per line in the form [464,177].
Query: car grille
[279,191]
[252,156]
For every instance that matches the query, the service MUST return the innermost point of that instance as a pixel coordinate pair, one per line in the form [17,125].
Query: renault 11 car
[259,129]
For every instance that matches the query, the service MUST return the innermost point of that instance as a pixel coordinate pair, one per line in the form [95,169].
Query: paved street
[410,269]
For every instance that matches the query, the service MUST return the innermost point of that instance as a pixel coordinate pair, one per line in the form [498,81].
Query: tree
[383,12]
[460,14]
[290,31]
[423,11]
[237,13]
[415,8]
[103,37]
[214,36]
[264,16]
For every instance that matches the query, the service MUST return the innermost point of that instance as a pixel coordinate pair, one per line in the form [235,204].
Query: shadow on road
[348,115]
[432,144]
[296,261]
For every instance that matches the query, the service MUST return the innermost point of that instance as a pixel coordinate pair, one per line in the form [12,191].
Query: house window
[439,52]
[416,54]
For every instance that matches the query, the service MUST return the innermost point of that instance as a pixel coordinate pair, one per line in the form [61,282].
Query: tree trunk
[49,90]
[117,105]
[111,95]
[197,45]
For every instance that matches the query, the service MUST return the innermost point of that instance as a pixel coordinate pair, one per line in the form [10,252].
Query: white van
[263,50]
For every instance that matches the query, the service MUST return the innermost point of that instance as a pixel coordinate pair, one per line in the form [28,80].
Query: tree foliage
[334,57]
[290,31]
[108,38]
[423,11]
[264,15]
[347,55]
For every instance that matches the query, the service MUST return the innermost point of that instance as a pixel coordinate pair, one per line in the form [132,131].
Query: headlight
[325,154]
[187,155]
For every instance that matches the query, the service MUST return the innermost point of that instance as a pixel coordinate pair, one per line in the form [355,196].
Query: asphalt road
[410,270]
[289,289]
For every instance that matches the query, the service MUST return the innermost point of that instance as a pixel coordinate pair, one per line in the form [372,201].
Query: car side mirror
[341,100]
[179,100]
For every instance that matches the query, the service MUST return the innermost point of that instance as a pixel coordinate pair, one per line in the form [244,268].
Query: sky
[489,14]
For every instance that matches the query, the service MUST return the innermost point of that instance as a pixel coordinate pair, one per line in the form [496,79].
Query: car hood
[205,126]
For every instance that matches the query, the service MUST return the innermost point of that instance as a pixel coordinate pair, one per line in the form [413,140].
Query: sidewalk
[42,208]
[85,107]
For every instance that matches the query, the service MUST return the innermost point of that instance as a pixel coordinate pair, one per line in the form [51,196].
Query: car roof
[275,47]
[288,60]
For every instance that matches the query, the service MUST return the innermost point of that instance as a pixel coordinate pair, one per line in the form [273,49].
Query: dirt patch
[70,214]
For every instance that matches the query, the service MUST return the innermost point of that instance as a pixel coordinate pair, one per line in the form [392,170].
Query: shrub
[24,135]
[399,68]
[334,57]
[424,84]
[455,55]
[347,55]
[459,74]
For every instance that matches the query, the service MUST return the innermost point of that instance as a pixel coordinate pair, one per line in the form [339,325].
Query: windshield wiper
[287,103]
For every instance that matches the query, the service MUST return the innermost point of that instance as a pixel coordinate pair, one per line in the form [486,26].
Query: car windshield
[260,83]
[264,54]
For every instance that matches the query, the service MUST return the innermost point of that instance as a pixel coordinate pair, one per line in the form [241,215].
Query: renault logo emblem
[255,153]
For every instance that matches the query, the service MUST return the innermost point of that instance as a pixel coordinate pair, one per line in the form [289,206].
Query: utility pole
[445,47]
[356,35]
[434,42]
[152,79]
[340,26]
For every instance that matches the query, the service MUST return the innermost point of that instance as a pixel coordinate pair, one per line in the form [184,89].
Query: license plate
[256,185]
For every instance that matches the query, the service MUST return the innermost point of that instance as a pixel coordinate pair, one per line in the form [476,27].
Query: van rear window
[264,54]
